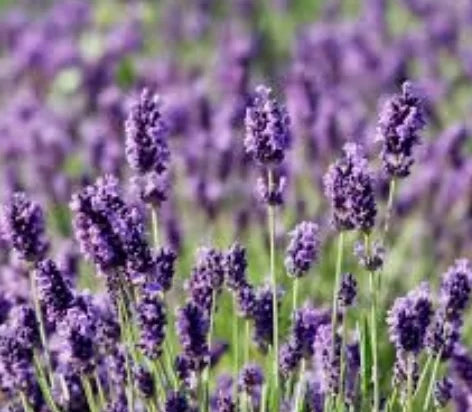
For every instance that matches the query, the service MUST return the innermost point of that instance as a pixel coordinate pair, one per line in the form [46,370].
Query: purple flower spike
[349,188]
[23,227]
[144,382]
[328,358]
[303,249]
[400,122]
[306,323]
[177,402]
[456,286]
[192,326]
[146,135]
[268,134]
[442,392]
[165,262]
[236,264]
[53,291]
[347,291]
[408,320]
[151,320]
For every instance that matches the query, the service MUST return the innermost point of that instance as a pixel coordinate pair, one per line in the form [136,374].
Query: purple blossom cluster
[158,149]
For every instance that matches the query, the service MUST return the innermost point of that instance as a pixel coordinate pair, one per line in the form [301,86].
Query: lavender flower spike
[349,188]
[23,227]
[408,320]
[303,249]
[146,135]
[400,122]
[268,133]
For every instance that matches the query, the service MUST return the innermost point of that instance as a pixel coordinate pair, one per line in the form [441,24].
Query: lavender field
[235,205]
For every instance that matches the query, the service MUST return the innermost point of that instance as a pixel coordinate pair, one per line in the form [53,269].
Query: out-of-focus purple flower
[5,306]
[23,227]
[403,367]
[289,357]
[263,316]
[443,334]
[349,188]
[353,363]
[328,358]
[146,136]
[303,249]
[306,323]
[271,196]
[25,325]
[408,320]
[347,291]
[456,286]
[246,298]
[192,325]
[118,404]
[207,277]
[115,363]
[250,380]
[267,129]
[152,188]
[53,291]
[108,329]
[442,392]
[461,364]
[224,402]
[79,348]
[111,234]
[235,265]
[217,350]
[151,320]
[371,260]
[400,122]
[165,261]
[315,395]
[144,382]
[177,402]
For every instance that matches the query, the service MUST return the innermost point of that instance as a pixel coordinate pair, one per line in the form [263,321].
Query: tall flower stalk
[267,139]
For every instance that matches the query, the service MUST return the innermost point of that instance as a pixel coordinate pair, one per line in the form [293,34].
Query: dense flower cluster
[267,124]
[303,249]
[400,122]
[349,188]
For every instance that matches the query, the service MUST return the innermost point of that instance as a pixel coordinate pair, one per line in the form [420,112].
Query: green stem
[206,372]
[235,341]
[155,227]
[271,218]
[101,394]
[300,387]
[388,214]
[373,325]
[168,360]
[337,280]
[24,402]
[410,360]
[88,393]
[343,363]
[424,373]
[43,383]
[42,333]
[432,380]
[296,283]
[246,341]
[123,320]
[263,398]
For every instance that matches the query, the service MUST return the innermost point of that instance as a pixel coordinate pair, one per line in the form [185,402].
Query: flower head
[267,129]
[146,135]
[349,188]
[400,122]
[23,227]
[456,286]
[408,320]
[303,249]
[235,265]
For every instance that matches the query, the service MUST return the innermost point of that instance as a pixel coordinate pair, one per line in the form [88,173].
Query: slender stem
[373,326]
[168,360]
[388,214]
[206,372]
[24,402]
[432,379]
[393,399]
[42,330]
[410,361]
[300,387]
[101,394]
[43,383]
[296,283]
[246,341]
[123,320]
[343,363]
[263,398]
[235,341]
[88,393]
[155,227]
[271,218]
[337,280]
[424,373]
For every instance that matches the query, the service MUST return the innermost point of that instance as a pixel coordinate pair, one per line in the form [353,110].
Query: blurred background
[69,69]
